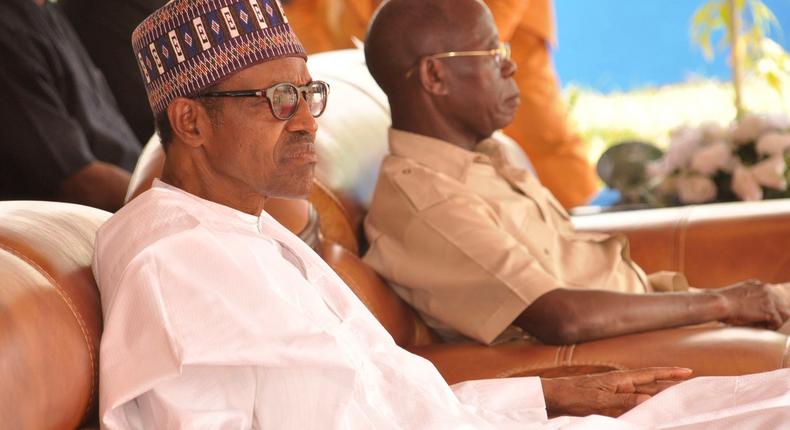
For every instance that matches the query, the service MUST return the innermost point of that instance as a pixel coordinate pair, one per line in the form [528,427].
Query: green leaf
[774,81]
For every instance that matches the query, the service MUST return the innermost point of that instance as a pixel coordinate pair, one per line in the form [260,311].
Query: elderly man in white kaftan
[220,319]
[217,317]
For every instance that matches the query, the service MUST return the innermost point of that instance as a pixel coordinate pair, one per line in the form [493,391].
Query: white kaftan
[216,319]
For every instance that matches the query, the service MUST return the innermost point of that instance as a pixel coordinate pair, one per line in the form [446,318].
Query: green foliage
[711,31]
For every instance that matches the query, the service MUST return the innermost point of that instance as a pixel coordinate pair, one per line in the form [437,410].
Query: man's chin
[297,190]
[508,116]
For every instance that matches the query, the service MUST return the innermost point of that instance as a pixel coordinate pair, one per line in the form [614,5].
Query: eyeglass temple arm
[233,94]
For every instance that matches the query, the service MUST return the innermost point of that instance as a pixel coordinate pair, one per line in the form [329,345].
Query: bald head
[402,31]
[460,99]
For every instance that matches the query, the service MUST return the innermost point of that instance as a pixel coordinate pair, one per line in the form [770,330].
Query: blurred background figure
[105,29]
[541,126]
[324,25]
[63,137]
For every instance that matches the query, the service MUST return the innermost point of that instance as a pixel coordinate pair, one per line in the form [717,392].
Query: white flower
[695,189]
[776,122]
[773,143]
[712,158]
[748,129]
[771,173]
[752,126]
[745,186]
[684,142]
[713,132]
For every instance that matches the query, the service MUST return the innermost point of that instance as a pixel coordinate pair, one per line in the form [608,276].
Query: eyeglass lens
[503,53]
[285,100]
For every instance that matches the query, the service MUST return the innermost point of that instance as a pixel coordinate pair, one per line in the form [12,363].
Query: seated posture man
[62,135]
[216,316]
[477,245]
[540,125]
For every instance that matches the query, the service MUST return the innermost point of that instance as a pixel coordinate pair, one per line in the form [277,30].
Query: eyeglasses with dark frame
[500,54]
[284,98]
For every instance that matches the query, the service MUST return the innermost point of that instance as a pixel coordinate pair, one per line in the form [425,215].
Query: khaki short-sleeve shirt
[470,240]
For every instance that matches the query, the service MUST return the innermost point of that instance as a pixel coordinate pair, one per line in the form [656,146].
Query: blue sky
[625,44]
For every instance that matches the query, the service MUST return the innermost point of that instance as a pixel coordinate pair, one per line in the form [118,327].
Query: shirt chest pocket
[541,241]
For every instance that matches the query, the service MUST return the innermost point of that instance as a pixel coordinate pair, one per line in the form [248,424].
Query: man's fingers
[627,380]
[619,404]
[774,320]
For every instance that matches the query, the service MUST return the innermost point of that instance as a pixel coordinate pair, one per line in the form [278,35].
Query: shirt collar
[264,223]
[208,204]
[435,154]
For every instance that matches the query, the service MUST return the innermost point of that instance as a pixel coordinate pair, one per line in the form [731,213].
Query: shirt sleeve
[453,261]
[202,397]
[40,137]
[667,282]
[511,399]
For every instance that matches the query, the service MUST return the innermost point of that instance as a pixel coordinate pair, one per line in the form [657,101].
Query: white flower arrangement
[747,161]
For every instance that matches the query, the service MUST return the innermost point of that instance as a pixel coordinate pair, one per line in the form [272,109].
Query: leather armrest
[713,245]
[708,350]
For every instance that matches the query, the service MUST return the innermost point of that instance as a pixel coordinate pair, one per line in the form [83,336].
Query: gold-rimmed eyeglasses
[500,54]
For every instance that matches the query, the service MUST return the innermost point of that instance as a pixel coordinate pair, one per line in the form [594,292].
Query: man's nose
[509,68]
[303,120]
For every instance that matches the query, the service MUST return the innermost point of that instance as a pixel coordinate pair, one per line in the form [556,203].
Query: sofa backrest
[713,245]
[50,314]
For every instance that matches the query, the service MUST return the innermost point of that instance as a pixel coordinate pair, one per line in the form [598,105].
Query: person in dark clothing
[61,134]
[105,29]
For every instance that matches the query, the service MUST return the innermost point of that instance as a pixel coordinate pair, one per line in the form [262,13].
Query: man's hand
[611,394]
[753,303]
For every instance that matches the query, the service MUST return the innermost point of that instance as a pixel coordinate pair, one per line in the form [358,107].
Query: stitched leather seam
[548,365]
[73,309]
[569,353]
[679,235]
[557,355]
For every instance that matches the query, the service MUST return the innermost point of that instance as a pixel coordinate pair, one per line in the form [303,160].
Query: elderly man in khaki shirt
[477,245]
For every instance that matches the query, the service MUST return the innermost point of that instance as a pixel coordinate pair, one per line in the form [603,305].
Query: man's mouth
[306,155]
[513,101]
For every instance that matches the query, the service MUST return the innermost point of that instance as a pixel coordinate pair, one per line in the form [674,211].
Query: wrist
[550,396]
[722,305]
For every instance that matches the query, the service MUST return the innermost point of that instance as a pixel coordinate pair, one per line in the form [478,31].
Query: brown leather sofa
[50,315]
[50,321]
[50,325]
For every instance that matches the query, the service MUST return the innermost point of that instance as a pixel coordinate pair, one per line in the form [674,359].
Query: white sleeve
[201,398]
[510,399]
[187,317]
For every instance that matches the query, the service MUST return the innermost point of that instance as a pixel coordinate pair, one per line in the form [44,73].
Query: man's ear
[190,121]
[433,75]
